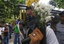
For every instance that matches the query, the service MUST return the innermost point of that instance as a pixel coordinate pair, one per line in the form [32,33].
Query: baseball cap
[7,24]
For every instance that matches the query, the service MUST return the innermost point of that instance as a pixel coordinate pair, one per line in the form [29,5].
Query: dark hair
[27,8]
[55,19]
[22,23]
[61,13]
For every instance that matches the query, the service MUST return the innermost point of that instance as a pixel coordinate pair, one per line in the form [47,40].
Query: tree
[59,3]
[9,8]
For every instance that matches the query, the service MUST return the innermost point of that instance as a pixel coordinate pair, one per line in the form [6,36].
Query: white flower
[36,7]
[48,18]
[43,8]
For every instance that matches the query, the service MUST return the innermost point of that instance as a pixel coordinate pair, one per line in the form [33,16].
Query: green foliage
[9,20]
[59,3]
[9,8]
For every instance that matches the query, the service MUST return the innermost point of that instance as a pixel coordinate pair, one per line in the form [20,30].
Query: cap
[7,24]
[61,13]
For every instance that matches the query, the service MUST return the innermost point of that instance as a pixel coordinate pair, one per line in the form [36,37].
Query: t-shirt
[1,29]
[6,33]
[50,36]
[16,29]
[60,32]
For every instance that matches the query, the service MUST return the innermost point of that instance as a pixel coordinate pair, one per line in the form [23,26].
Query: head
[21,24]
[54,21]
[62,17]
[29,10]
[15,22]
[6,24]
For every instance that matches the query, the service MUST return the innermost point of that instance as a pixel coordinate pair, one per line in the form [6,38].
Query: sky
[44,1]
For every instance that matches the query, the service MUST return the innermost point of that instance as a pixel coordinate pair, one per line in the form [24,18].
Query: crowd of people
[50,34]
[5,33]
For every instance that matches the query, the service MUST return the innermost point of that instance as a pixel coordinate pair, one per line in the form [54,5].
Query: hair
[56,19]
[27,8]
[22,23]
[61,13]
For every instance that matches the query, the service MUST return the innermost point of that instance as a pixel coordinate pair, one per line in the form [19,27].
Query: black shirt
[6,33]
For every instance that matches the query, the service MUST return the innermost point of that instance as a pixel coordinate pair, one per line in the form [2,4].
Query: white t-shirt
[50,36]
[1,29]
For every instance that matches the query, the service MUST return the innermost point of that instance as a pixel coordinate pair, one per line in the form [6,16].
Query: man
[1,30]
[6,34]
[10,30]
[54,22]
[16,34]
[29,14]
[21,25]
[60,28]
[38,36]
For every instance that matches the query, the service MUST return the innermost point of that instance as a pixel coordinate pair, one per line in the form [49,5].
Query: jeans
[10,33]
[0,39]
[6,40]
[16,39]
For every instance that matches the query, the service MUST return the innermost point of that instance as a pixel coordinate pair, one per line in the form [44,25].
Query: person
[41,36]
[21,25]
[54,22]
[6,34]
[16,34]
[60,28]
[29,14]
[10,31]
[1,30]
[36,36]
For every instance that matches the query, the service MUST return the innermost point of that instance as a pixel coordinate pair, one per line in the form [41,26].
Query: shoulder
[48,29]
[15,26]
[51,37]
[49,32]
[58,24]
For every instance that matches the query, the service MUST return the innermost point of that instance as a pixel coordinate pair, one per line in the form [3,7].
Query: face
[14,22]
[29,11]
[62,18]
[20,26]
[5,25]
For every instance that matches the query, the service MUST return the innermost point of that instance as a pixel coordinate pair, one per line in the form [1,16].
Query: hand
[36,36]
